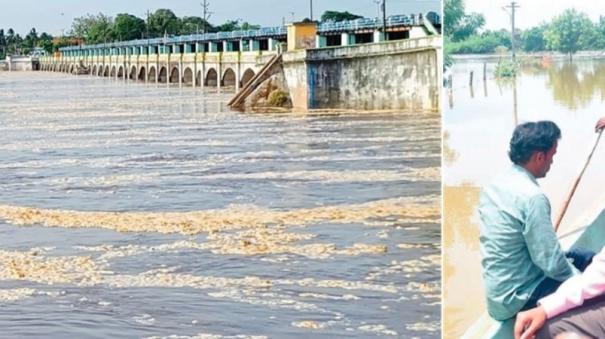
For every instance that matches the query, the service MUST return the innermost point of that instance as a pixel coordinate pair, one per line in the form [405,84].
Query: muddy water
[478,122]
[129,210]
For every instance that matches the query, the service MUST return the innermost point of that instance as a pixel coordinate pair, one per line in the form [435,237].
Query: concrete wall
[19,63]
[390,75]
[301,35]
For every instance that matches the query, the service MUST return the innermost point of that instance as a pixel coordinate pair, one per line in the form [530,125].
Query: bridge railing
[351,25]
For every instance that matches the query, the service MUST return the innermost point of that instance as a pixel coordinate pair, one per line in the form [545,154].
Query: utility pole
[311,9]
[384,20]
[513,5]
[207,13]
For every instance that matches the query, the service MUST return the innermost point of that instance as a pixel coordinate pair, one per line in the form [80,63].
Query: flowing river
[132,210]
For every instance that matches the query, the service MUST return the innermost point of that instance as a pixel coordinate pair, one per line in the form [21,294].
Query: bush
[506,69]
[278,98]
[475,45]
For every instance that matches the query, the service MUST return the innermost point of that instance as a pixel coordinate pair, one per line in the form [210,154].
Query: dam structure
[233,59]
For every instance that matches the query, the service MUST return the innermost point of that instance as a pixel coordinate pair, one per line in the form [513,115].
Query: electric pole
[311,9]
[207,13]
[513,5]
[384,20]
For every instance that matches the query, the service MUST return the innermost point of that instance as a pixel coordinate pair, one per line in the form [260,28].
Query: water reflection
[574,86]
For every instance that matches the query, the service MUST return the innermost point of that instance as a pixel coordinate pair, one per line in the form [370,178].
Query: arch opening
[248,75]
[188,77]
[142,73]
[163,76]
[174,75]
[211,78]
[152,74]
[228,78]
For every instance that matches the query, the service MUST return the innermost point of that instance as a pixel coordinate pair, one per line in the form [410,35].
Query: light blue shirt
[519,247]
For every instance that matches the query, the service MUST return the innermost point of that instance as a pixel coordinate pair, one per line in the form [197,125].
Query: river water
[478,122]
[131,210]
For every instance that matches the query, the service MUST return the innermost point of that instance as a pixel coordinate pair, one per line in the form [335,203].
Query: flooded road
[132,210]
[478,122]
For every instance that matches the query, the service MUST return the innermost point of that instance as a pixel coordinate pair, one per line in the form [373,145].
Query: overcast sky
[52,16]
[531,12]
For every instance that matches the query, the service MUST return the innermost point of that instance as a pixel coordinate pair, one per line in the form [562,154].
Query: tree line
[569,32]
[13,43]
[101,28]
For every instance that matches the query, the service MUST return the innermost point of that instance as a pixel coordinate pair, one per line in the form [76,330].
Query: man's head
[533,146]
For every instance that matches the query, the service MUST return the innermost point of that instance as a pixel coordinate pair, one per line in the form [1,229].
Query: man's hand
[529,322]
[600,124]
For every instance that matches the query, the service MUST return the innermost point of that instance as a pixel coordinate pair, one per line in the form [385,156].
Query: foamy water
[129,210]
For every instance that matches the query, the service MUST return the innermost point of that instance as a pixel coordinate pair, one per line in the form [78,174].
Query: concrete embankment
[397,75]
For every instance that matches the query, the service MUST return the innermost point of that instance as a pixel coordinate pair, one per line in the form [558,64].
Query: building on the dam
[232,59]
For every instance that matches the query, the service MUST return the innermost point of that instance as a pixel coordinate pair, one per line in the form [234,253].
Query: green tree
[2,44]
[569,32]
[532,40]
[453,13]
[46,42]
[248,26]
[230,25]
[163,21]
[128,27]
[31,39]
[467,26]
[93,29]
[192,25]
[336,16]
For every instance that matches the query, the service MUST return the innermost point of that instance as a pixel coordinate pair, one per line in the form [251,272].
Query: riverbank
[580,55]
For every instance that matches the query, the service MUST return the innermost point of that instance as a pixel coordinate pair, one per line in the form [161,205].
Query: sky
[56,16]
[531,12]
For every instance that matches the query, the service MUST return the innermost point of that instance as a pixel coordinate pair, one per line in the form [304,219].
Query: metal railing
[267,32]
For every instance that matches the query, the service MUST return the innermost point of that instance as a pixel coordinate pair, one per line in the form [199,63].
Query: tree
[230,25]
[467,26]
[336,16]
[453,13]
[193,24]
[2,44]
[532,40]
[163,21]
[31,39]
[128,27]
[46,42]
[93,29]
[247,26]
[569,32]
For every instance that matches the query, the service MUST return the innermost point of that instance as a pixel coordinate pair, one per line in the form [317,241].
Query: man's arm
[571,294]
[542,242]
[600,124]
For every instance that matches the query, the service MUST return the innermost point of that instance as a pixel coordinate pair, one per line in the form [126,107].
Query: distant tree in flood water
[569,32]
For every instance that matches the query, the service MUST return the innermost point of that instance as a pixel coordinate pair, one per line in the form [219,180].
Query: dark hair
[532,137]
